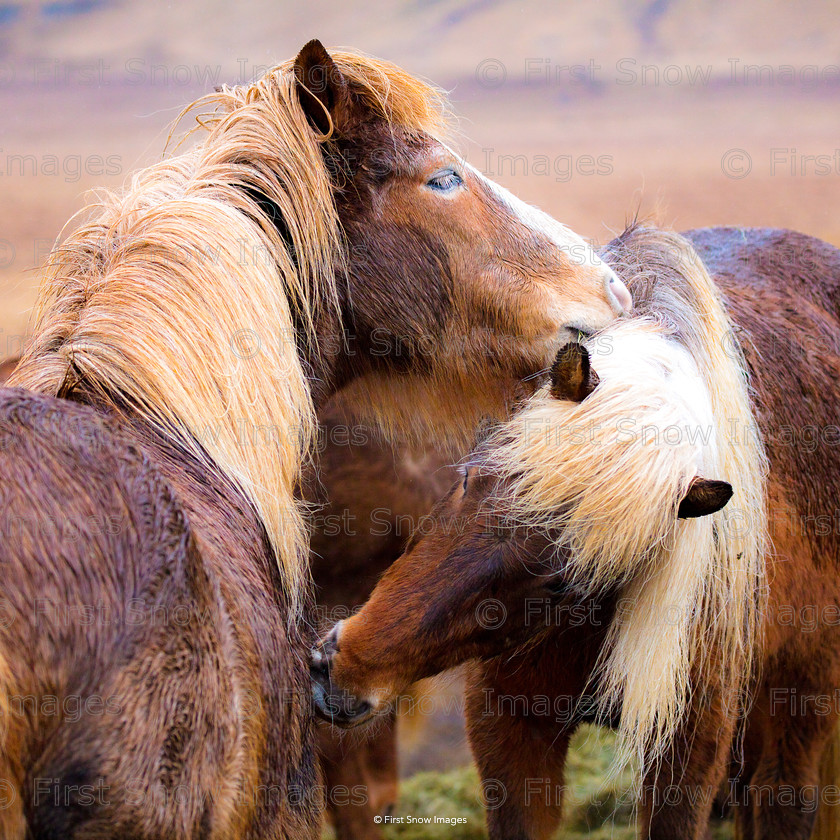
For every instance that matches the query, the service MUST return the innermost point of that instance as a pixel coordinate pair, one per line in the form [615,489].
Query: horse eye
[464,471]
[445,181]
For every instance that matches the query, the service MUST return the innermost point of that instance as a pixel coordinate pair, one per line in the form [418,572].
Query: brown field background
[590,110]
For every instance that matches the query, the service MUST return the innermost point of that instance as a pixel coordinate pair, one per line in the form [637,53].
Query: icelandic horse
[591,551]
[315,234]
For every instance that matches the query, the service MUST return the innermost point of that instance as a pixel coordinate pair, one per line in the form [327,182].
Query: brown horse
[369,499]
[560,567]
[319,234]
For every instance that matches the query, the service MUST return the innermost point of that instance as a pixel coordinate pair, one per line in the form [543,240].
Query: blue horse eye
[445,181]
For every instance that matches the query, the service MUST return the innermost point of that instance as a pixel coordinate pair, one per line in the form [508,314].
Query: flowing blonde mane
[607,475]
[182,299]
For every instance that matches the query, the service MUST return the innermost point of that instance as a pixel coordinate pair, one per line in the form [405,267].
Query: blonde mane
[181,299]
[606,475]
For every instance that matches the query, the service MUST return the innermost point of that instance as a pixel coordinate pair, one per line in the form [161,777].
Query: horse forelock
[184,297]
[606,475]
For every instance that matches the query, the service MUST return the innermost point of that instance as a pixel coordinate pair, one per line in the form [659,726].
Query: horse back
[773,261]
[782,290]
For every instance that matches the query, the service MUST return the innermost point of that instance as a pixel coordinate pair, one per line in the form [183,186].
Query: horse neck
[324,358]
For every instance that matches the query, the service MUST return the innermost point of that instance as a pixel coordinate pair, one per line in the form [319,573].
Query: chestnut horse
[317,235]
[560,567]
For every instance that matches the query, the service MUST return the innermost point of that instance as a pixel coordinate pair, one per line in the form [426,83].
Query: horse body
[368,498]
[153,687]
[505,595]
[784,293]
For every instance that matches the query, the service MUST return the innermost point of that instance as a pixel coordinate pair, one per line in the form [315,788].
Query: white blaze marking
[579,250]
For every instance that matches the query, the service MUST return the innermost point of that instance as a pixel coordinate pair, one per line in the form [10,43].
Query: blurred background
[707,112]
[703,112]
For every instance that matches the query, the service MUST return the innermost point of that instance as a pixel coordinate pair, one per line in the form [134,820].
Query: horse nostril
[338,707]
[332,703]
[318,666]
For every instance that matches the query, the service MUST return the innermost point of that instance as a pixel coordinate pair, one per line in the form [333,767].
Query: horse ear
[322,89]
[704,497]
[572,377]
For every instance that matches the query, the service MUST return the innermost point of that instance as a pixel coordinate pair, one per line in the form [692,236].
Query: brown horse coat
[368,498]
[153,687]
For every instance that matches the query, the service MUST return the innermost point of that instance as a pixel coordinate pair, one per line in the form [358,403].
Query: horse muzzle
[334,705]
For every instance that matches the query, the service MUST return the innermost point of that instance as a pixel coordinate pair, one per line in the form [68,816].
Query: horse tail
[827,826]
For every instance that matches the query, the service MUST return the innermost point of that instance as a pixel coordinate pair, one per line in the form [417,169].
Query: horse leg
[678,793]
[520,754]
[784,791]
[360,778]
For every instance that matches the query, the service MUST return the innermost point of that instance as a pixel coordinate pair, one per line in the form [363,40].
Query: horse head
[450,283]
